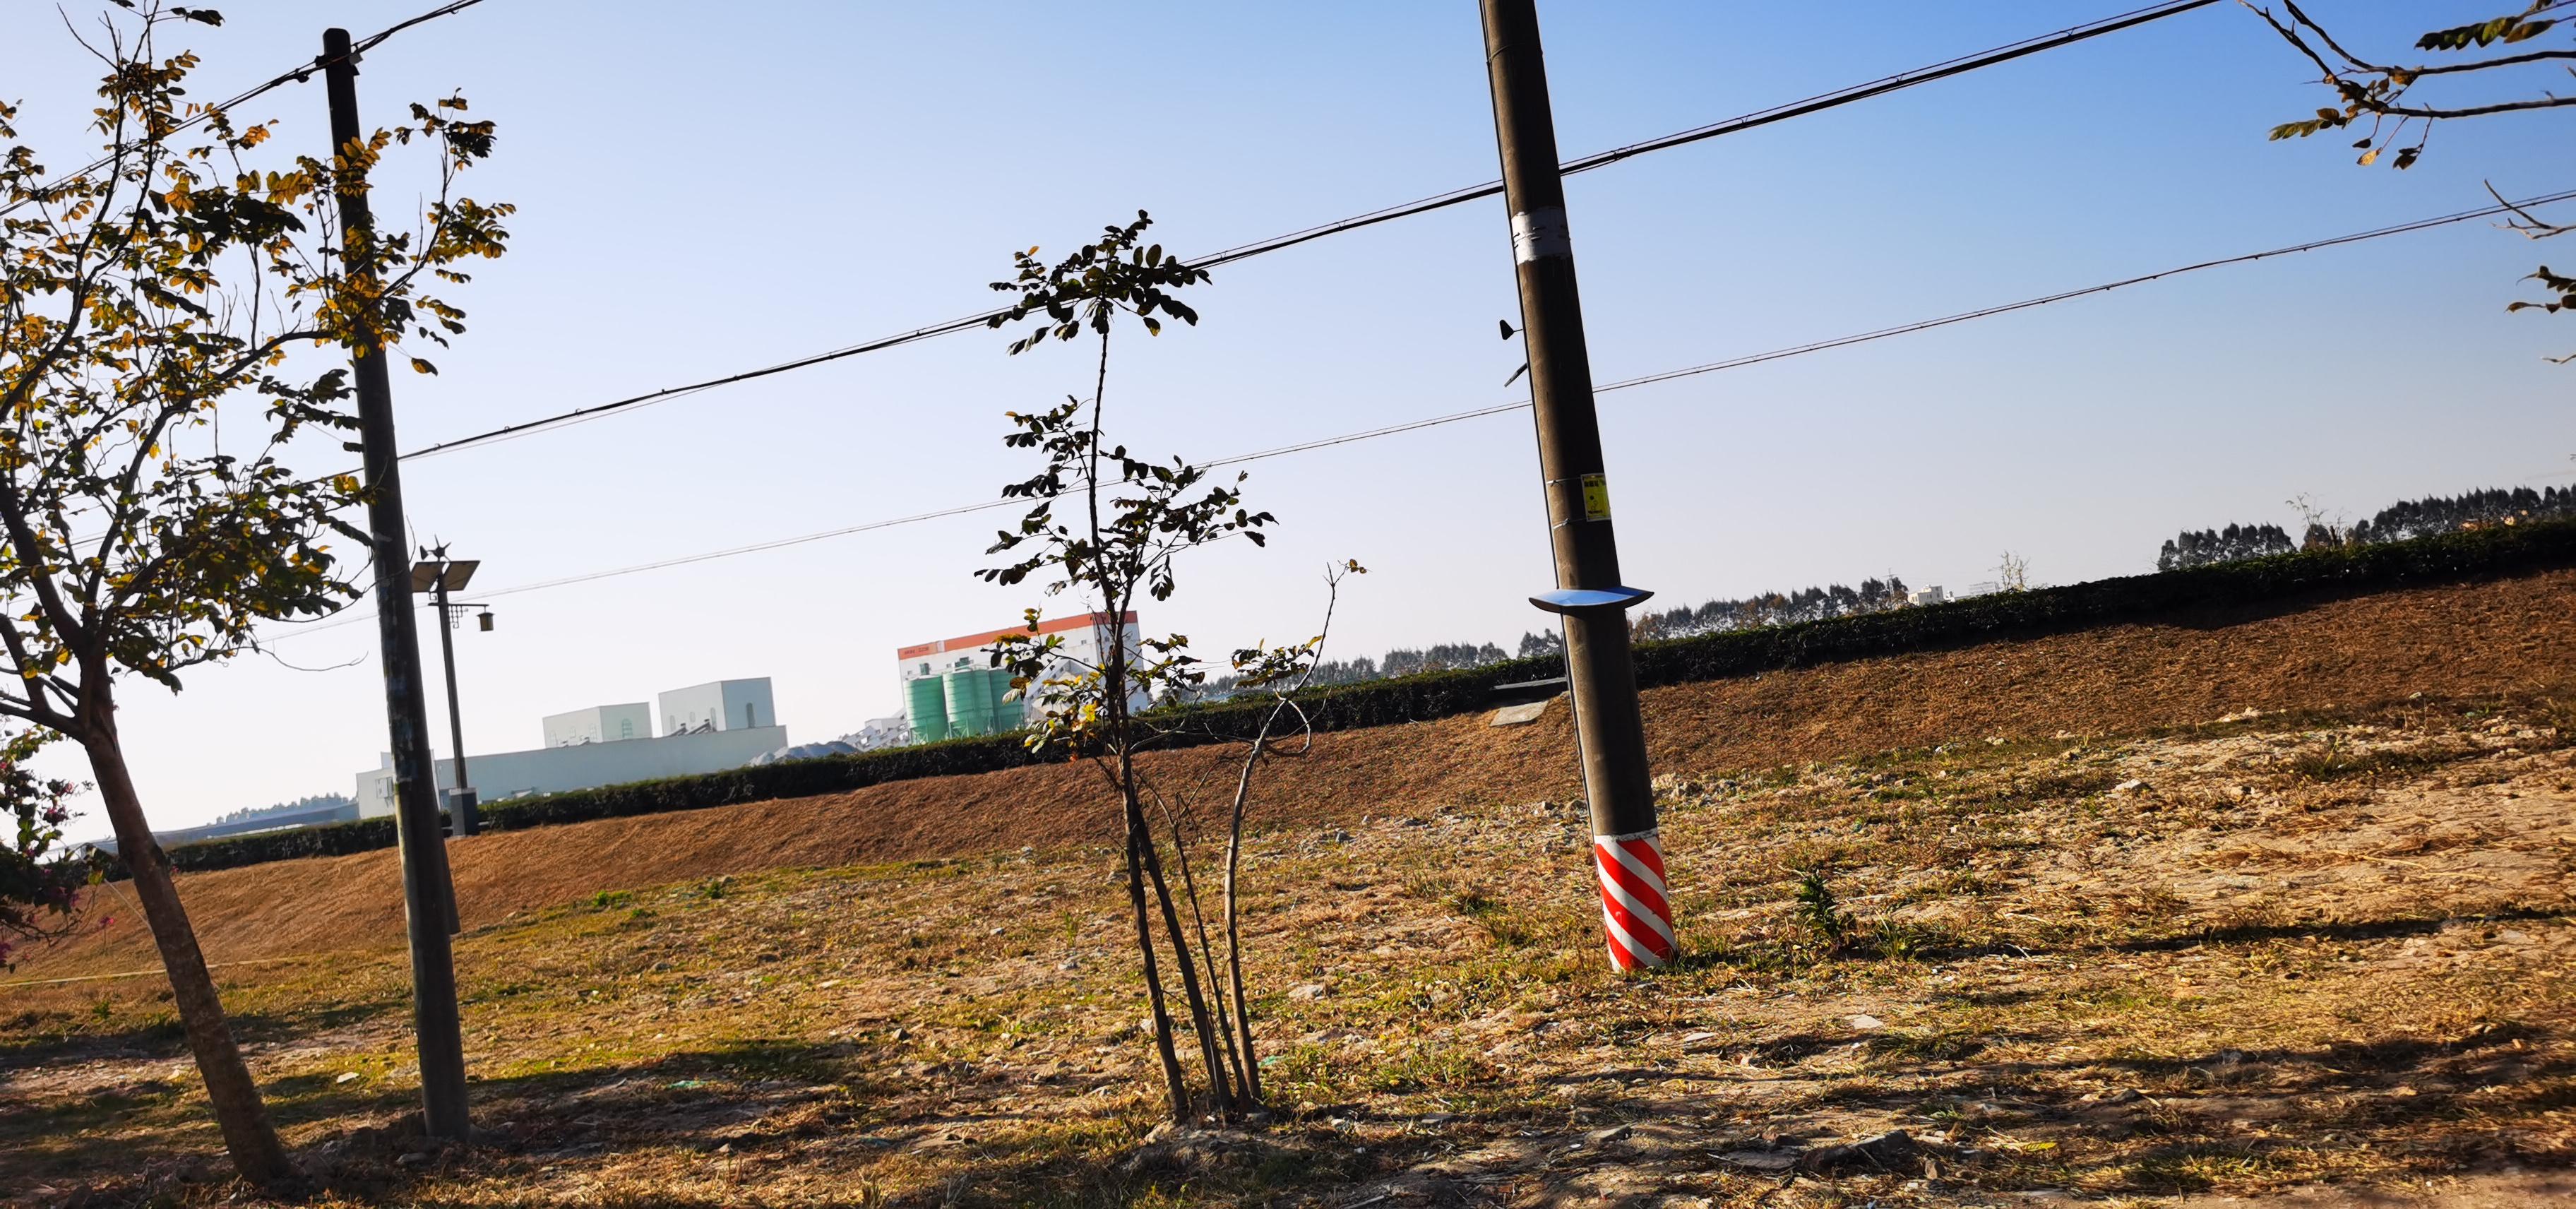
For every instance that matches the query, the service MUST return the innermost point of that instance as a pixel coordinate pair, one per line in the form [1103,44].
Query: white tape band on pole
[1538,234]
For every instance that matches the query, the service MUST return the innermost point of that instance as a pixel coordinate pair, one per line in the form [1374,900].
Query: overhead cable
[1437,201]
[1518,405]
[293,75]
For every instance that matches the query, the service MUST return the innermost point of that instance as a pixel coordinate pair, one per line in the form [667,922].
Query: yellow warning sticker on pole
[1596,497]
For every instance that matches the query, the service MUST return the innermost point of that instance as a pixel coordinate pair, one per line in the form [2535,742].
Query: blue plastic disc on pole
[1590,600]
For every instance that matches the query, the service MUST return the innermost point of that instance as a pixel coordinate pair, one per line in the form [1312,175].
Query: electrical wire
[1438,201]
[1760,117]
[1505,408]
[2106,287]
[294,75]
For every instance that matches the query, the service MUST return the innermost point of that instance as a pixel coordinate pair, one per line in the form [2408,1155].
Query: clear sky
[704,189]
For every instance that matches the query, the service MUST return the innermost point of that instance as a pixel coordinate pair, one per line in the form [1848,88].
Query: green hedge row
[334,840]
[2268,582]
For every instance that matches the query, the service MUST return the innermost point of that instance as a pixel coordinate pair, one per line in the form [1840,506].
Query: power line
[293,75]
[1438,201]
[1760,117]
[2104,288]
[1604,388]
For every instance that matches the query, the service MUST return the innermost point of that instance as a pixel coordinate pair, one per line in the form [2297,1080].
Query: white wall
[747,705]
[584,766]
[599,724]
[722,702]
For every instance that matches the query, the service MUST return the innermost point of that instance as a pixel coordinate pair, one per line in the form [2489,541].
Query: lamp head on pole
[485,620]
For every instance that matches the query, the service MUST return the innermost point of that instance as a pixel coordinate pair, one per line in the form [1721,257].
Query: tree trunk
[1207,948]
[1220,1088]
[1173,1082]
[1242,1022]
[253,1143]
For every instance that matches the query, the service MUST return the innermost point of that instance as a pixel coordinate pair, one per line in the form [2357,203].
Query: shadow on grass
[131,1142]
[1765,960]
[2350,930]
[815,1105]
[158,1035]
[2141,1125]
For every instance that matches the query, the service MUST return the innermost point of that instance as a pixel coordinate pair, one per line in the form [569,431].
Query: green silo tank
[1009,713]
[970,701]
[925,705]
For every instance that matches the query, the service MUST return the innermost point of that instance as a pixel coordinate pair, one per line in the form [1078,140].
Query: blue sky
[703,191]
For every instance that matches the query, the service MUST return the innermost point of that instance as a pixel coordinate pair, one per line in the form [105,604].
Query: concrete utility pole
[1590,596]
[424,848]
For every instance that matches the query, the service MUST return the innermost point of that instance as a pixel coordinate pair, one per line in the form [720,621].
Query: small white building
[716,706]
[508,774]
[707,728]
[1928,596]
[600,724]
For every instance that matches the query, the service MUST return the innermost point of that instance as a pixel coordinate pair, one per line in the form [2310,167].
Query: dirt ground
[2260,955]
[2510,637]
[2275,912]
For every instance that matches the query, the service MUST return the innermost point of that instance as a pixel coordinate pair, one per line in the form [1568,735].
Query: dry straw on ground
[2123,958]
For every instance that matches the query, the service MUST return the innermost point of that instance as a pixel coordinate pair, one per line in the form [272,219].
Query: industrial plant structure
[708,728]
[600,724]
[951,688]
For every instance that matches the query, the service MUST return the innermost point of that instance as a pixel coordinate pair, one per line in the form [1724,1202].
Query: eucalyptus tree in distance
[1109,526]
[152,309]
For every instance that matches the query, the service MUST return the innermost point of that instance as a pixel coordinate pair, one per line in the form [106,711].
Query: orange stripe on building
[969,642]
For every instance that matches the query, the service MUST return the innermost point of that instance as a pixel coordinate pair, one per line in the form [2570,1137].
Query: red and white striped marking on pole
[1634,904]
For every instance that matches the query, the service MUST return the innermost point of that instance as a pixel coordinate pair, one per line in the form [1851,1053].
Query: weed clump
[1829,933]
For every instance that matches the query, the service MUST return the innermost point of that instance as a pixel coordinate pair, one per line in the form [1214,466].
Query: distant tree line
[2398,522]
[319,801]
[2191,548]
[1761,609]
[2450,514]
[2199,549]
[1772,608]
[1402,661]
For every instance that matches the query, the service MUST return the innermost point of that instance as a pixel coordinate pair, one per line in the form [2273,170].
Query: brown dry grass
[2514,637]
[2128,955]
[2215,980]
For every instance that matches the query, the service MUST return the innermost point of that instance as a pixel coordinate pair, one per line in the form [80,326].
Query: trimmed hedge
[334,840]
[2276,582]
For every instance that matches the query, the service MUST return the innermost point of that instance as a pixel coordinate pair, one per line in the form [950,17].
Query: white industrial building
[719,705]
[708,728]
[600,724]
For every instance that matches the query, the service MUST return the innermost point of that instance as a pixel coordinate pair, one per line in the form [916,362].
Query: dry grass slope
[2515,637]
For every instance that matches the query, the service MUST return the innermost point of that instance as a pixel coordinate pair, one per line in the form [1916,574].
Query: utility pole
[445,577]
[1609,727]
[426,905]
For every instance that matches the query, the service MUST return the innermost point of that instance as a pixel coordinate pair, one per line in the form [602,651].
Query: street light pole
[461,802]
[1609,725]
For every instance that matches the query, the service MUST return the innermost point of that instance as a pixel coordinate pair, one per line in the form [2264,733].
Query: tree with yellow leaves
[172,317]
